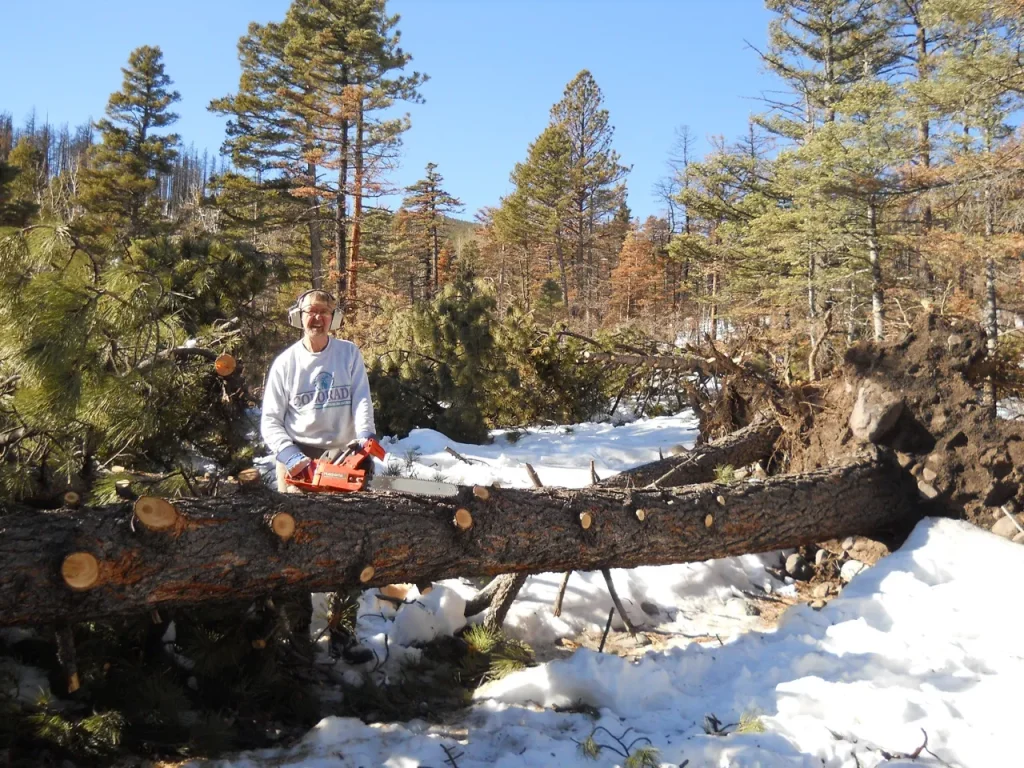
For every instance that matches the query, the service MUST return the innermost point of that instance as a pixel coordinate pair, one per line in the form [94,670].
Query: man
[317,397]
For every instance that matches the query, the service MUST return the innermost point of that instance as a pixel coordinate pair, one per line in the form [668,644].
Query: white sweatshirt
[320,399]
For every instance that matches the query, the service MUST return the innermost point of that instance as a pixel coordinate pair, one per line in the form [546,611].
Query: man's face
[316,318]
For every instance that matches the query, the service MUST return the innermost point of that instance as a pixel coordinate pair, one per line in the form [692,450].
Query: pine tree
[974,84]
[427,203]
[18,193]
[636,281]
[537,214]
[835,56]
[595,173]
[118,187]
[302,119]
[29,184]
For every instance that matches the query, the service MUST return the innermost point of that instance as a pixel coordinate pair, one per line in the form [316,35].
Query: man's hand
[298,467]
[294,460]
[359,443]
[338,455]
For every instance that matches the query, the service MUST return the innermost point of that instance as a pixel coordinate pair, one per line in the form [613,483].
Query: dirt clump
[924,396]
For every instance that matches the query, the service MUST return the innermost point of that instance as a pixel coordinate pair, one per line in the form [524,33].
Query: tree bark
[226,549]
[686,362]
[752,443]
[357,202]
[875,261]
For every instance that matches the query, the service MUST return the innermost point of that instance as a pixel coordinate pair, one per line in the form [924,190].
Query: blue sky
[496,67]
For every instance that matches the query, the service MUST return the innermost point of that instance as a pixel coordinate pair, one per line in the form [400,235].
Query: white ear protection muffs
[295,311]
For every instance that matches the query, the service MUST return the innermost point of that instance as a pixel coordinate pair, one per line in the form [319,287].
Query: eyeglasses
[318,312]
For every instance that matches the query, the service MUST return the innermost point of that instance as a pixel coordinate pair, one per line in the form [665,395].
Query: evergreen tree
[537,214]
[119,185]
[636,280]
[595,173]
[309,87]
[427,203]
[15,209]
[835,56]
[29,163]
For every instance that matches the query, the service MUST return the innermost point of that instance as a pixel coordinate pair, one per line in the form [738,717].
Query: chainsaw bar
[412,485]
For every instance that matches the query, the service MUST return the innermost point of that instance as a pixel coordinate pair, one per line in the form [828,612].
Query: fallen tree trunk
[707,366]
[99,562]
[743,447]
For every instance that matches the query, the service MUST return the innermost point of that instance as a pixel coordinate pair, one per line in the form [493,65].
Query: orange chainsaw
[349,473]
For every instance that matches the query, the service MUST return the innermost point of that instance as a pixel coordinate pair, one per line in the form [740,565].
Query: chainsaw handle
[375,449]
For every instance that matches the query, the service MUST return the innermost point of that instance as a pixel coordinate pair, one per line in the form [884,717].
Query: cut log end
[249,476]
[481,492]
[463,519]
[586,520]
[80,570]
[641,515]
[366,574]
[155,513]
[283,525]
[72,499]
[709,521]
[224,365]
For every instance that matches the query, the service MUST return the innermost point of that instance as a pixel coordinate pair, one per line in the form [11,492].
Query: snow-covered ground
[927,641]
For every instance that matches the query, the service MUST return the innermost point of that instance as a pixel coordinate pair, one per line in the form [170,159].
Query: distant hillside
[460,230]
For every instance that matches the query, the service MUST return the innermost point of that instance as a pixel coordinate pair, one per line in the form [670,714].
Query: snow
[926,641]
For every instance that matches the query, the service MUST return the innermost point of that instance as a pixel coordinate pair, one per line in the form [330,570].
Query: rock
[798,568]
[741,474]
[1006,528]
[928,491]
[649,608]
[928,474]
[875,411]
[677,450]
[848,543]
[868,550]
[954,340]
[820,590]
[819,556]
[758,472]
[850,569]
[818,605]
[740,608]
[904,459]
[1019,538]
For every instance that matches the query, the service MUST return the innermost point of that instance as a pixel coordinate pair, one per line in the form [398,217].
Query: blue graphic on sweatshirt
[324,394]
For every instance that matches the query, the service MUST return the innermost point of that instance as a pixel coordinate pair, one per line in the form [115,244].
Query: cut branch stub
[586,520]
[641,514]
[367,573]
[282,524]
[72,499]
[224,365]
[250,475]
[481,492]
[463,519]
[80,570]
[155,513]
